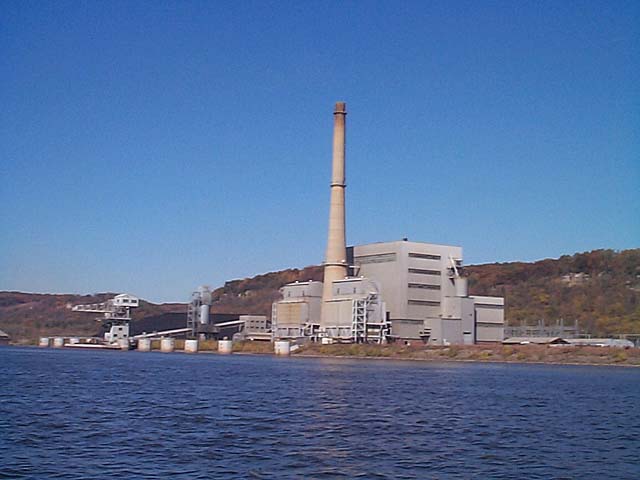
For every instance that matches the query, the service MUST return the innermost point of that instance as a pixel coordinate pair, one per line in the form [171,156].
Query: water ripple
[81,415]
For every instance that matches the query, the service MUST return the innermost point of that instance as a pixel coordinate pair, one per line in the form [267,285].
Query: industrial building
[356,312]
[425,292]
[297,315]
[115,315]
[202,324]
[408,291]
[397,291]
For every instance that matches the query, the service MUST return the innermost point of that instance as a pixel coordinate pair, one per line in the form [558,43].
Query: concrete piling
[282,347]
[167,345]
[191,346]
[225,346]
[144,345]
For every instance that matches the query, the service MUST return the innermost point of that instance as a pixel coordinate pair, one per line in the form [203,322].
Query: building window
[377,258]
[424,302]
[426,256]
[424,272]
[424,286]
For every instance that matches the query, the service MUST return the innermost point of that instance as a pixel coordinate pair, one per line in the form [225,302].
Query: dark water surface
[78,414]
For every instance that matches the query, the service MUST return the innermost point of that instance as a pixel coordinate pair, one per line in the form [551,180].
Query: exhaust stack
[335,265]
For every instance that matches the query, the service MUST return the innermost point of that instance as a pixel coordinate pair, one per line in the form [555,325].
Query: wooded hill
[601,289]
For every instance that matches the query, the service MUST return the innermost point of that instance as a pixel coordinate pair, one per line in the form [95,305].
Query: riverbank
[482,353]
[560,355]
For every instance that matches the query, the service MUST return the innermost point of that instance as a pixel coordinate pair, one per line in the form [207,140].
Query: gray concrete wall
[452,332]
[413,276]
[489,316]
[300,304]
[383,263]
[489,333]
[416,284]
[308,297]
[468,324]
[407,329]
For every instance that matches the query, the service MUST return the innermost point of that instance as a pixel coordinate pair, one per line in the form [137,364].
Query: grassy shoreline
[539,354]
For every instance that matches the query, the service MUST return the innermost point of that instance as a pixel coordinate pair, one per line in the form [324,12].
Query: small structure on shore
[576,342]
[535,341]
[601,342]
[4,338]
[115,315]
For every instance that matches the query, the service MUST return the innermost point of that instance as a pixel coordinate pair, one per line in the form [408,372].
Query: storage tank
[204,314]
[205,294]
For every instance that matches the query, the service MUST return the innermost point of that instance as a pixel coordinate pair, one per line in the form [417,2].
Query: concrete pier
[144,345]
[282,347]
[191,346]
[167,345]
[225,346]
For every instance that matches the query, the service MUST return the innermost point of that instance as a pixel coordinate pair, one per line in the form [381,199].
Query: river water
[68,414]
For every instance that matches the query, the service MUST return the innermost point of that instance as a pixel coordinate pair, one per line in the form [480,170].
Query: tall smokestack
[335,265]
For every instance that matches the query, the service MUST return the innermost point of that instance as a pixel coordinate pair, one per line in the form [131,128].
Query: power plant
[385,292]
[397,291]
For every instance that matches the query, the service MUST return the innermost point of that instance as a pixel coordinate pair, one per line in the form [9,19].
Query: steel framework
[363,330]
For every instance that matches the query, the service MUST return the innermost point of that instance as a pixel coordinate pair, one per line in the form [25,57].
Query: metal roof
[601,342]
[535,340]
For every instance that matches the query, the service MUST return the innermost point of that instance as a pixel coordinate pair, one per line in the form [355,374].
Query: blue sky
[151,147]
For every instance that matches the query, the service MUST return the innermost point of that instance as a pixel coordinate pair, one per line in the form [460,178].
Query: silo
[204,295]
